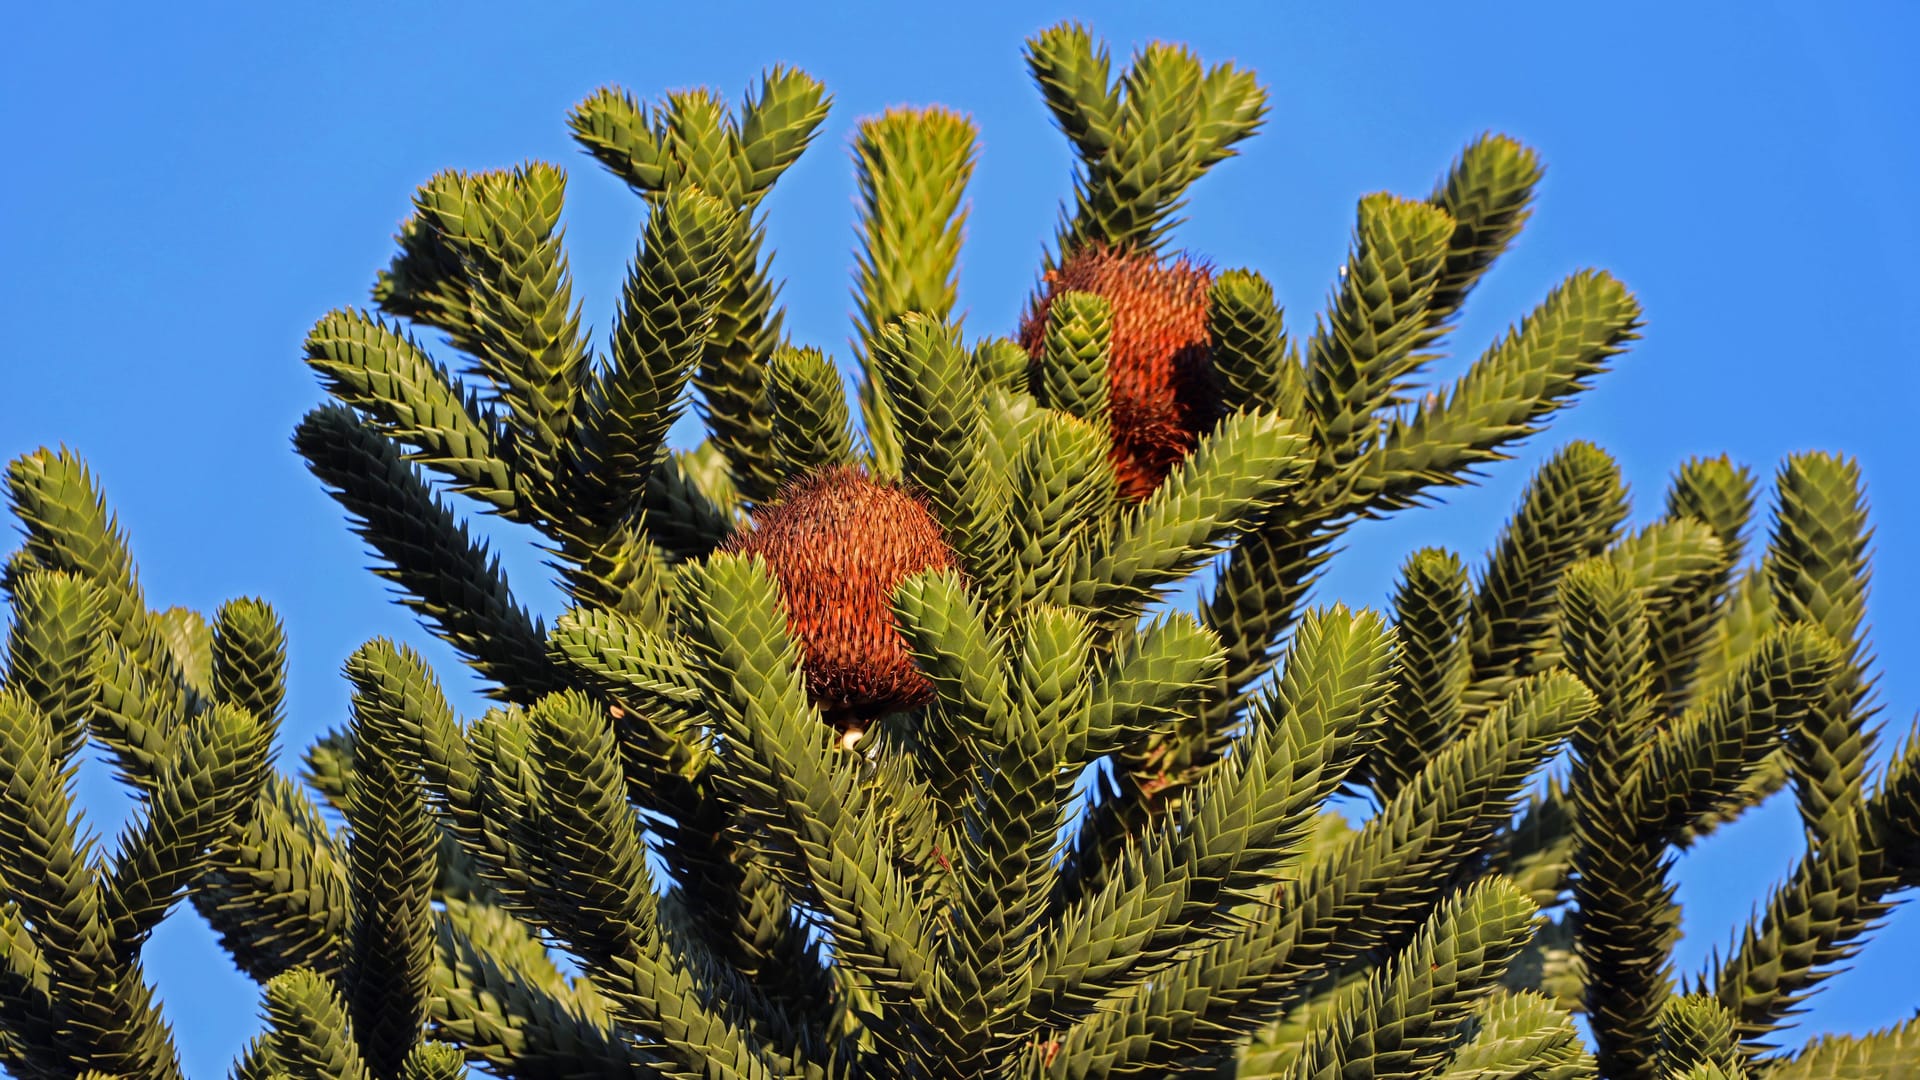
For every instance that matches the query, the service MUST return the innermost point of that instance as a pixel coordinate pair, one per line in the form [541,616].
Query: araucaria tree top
[876,754]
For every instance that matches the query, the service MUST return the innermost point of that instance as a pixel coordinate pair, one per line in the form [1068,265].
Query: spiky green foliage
[810,429]
[694,142]
[1719,495]
[1253,362]
[214,775]
[1071,375]
[1520,1035]
[1507,394]
[311,1036]
[1142,141]
[375,367]
[935,399]
[1572,510]
[1369,893]
[1402,1023]
[391,864]
[277,894]
[912,167]
[1488,195]
[666,314]
[1426,708]
[1096,840]
[1624,896]
[1357,360]
[84,1000]
[1695,1033]
[1883,1053]
[1250,818]
[87,659]
[188,713]
[51,651]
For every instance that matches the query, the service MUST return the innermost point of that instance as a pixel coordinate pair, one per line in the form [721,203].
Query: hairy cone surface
[839,542]
[1161,395]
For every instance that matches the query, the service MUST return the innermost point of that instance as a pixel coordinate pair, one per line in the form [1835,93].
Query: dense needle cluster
[839,542]
[1091,837]
[1161,393]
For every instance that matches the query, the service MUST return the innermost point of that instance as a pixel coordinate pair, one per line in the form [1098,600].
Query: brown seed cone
[1161,394]
[838,542]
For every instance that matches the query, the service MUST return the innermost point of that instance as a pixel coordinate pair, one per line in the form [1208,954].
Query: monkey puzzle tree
[795,781]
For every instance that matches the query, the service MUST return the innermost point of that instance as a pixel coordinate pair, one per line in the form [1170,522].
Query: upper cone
[1161,395]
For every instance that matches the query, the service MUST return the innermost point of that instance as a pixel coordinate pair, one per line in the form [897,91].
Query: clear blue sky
[188,187]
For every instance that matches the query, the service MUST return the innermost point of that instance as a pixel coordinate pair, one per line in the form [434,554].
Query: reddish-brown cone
[838,543]
[1161,393]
